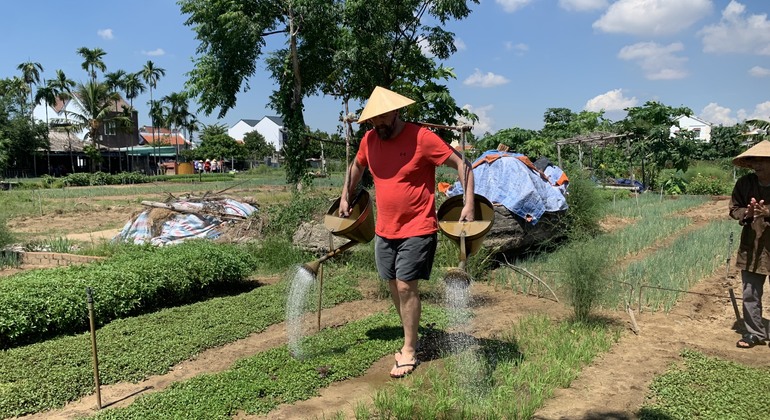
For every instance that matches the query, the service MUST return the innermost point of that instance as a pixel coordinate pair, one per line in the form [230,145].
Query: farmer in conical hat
[750,205]
[402,158]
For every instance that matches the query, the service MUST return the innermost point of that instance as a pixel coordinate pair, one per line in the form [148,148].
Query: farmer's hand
[759,208]
[466,215]
[344,209]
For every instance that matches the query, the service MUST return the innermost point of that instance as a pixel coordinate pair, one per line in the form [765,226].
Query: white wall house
[57,112]
[271,129]
[701,128]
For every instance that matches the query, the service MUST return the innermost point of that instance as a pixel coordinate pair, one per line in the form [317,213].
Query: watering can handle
[463,254]
[353,202]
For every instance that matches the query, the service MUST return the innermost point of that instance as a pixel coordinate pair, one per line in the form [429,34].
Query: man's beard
[385,131]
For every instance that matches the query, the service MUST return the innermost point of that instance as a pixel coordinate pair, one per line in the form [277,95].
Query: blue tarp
[510,182]
[182,226]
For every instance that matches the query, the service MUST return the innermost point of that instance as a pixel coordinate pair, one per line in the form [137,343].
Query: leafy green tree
[652,143]
[256,145]
[216,144]
[343,48]
[20,137]
[514,138]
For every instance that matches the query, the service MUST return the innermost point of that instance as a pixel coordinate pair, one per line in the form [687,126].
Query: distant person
[214,165]
[750,205]
[402,158]
[207,166]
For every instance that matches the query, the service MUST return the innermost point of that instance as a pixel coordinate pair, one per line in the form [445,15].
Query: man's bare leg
[406,298]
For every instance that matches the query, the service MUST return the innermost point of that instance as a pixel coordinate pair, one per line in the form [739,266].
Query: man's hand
[466,215]
[757,209]
[344,210]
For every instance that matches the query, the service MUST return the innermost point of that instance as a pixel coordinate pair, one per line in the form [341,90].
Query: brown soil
[613,386]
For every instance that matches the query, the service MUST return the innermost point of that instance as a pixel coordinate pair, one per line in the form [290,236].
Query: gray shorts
[405,259]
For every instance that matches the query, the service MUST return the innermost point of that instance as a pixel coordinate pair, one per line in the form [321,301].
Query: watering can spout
[358,228]
[313,266]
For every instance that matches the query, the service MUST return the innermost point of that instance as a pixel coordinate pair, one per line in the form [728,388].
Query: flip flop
[401,365]
[748,341]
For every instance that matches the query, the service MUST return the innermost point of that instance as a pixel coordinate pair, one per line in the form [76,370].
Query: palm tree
[95,109]
[115,81]
[63,89]
[178,113]
[132,86]
[46,94]
[31,76]
[157,116]
[92,60]
[151,74]
[191,125]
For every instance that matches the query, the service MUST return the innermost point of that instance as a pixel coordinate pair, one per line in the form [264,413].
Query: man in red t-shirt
[402,158]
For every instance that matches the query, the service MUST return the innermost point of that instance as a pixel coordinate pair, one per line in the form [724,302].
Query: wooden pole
[320,294]
[90,300]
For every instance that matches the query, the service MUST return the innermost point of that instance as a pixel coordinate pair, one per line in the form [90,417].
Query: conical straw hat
[382,101]
[759,150]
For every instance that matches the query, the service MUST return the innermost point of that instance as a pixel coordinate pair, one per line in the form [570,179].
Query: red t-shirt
[404,172]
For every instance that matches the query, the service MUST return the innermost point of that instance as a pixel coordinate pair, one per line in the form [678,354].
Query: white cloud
[737,33]
[658,62]
[105,33]
[460,44]
[485,122]
[511,6]
[154,53]
[485,80]
[761,112]
[717,114]
[610,101]
[583,5]
[519,48]
[652,17]
[757,71]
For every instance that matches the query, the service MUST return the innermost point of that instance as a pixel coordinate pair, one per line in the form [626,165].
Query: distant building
[701,128]
[271,129]
[110,136]
[162,137]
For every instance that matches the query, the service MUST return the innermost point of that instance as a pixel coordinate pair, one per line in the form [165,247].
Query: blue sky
[515,58]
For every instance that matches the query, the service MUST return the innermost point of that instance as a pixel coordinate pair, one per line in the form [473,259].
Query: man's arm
[352,178]
[465,173]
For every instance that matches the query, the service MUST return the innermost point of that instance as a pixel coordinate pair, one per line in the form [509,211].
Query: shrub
[585,205]
[585,269]
[283,219]
[6,237]
[43,303]
[707,185]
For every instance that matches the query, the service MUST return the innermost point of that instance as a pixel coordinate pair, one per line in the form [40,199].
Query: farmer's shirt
[754,247]
[404,173]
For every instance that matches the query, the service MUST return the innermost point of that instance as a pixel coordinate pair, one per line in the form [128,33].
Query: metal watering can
[468,236]
[358,227]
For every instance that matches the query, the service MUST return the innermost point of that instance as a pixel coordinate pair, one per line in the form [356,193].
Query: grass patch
[47,375]
[259,384]
[508,378]
[704,387]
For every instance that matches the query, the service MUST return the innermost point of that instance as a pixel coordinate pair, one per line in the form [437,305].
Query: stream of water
[296,302]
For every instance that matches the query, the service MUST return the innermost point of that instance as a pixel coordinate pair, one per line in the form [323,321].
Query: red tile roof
[164,138]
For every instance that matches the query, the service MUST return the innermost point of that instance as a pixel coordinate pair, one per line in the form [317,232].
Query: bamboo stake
[90,300]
